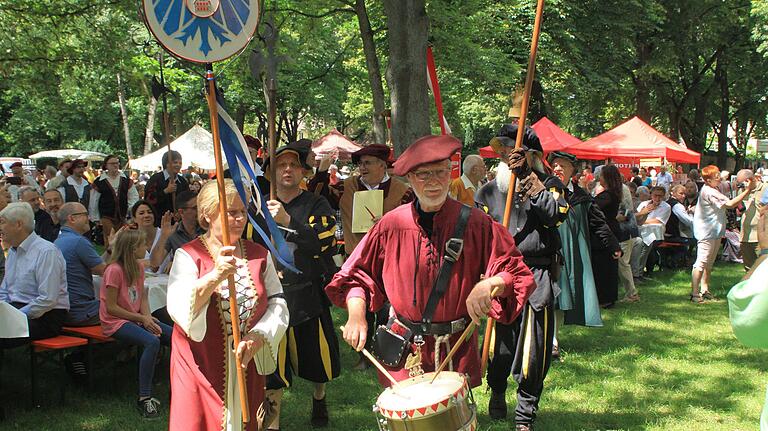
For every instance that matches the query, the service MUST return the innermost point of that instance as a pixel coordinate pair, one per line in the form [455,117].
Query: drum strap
[453,248]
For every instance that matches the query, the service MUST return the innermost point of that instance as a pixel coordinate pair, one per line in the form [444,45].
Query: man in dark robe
[373,162]
[163,187]
[539,208]
[400,257]
[586,224]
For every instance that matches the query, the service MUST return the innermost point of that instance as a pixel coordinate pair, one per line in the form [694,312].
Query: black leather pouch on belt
[392,343]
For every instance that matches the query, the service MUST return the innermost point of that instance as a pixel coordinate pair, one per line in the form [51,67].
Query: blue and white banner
[244,172]
[203,31]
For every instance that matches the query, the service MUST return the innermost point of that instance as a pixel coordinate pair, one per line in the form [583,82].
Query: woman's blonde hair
[124,252]
[208,200]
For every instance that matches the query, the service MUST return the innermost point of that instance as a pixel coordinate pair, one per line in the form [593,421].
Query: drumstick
[470,329]
[380,367]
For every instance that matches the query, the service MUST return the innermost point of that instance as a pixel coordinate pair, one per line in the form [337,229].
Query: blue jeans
[132,333]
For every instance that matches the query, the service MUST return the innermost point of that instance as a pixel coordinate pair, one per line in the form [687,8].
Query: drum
[418,405]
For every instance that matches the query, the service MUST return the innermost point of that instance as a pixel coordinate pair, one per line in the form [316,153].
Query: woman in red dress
[203,374]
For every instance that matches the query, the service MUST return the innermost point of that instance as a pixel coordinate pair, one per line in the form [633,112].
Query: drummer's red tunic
[382,268]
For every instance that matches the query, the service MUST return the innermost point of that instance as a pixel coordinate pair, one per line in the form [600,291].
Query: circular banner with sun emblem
[202,31]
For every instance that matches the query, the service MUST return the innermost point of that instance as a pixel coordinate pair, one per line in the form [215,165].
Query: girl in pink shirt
[124,311]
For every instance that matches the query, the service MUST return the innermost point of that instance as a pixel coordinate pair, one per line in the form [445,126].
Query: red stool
[94,335]
[58,344]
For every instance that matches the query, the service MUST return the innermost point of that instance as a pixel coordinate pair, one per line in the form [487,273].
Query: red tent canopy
[552,138]
[633,140]
[334,143]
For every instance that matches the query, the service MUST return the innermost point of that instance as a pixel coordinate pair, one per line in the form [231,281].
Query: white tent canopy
[70,153]
[195,146]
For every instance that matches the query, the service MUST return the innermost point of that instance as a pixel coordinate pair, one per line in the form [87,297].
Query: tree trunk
[240,117]
[124,116]
[721,76]
[407,71]
[642,89]
[149,134]
[374,73]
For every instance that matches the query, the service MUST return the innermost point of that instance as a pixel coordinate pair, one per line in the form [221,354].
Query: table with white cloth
[651,232]
[156,285]
[13,322]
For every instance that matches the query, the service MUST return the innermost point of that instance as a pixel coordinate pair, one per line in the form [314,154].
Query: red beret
[376,150]
[427,149]
[16,165]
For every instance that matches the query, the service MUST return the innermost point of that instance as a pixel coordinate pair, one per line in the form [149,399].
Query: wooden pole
[223,214]
[272,114]
[518,143]
[464,335]
[166,127]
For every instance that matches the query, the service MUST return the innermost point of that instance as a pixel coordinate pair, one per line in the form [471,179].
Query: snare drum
[417,405]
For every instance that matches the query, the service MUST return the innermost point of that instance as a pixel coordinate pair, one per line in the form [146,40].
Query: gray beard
[503,175]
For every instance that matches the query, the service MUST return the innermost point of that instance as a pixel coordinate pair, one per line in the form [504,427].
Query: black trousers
[525,349]
[46,326]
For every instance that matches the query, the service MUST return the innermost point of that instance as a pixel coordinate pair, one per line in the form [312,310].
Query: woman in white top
[709,229]
[203,358]
[144,219]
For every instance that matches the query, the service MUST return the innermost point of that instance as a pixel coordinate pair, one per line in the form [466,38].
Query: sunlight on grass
[662,364]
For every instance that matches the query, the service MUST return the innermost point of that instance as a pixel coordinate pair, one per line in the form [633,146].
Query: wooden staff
[518,143]
[464,335]
[223,217]
[272,95]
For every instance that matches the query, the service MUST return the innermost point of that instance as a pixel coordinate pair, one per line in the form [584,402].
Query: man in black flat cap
[309,349]
[538,209]
[373,162]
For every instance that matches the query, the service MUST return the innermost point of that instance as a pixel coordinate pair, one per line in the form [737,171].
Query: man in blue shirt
[82,262]
[35,280]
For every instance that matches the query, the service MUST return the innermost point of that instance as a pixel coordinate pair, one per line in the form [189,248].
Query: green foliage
[599,63]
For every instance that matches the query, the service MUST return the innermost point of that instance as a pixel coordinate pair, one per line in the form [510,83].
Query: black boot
[497,406]
[319,413]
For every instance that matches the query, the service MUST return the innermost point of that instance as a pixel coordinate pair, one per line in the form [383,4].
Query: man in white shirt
[76,188]
[664,178]
[35,280]
[652,217]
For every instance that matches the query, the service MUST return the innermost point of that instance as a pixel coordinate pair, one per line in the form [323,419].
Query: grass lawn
[660,364]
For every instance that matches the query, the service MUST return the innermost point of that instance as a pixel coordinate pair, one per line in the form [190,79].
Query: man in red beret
[400,260]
